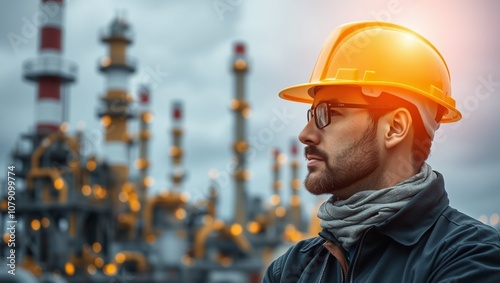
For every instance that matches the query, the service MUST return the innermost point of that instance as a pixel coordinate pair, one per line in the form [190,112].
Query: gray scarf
[348,218]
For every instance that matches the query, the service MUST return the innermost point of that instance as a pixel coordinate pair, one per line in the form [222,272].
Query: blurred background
[180,98]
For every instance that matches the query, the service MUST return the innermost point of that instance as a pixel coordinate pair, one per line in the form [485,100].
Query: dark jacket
[426,241]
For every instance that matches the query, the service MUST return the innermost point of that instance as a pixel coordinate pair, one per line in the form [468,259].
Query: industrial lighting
[120,258]
[110,269]
[236,229]
[45,222]
[58,183]
[86,190]
[69,268]
[35,224]
[180,213]
[274,200]
[280,211]
[253,227]
[96,247]
[99,262]
[91,165]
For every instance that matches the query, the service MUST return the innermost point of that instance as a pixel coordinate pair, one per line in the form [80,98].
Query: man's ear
[396,126]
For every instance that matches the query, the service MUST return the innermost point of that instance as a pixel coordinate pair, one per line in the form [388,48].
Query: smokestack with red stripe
[145,118]
[295,207]
[49,69]
[241,110]
[176,151]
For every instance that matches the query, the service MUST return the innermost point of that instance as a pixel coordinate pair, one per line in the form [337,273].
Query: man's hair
[422,142]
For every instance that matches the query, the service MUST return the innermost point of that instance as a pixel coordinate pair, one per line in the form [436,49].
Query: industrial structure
[85,218]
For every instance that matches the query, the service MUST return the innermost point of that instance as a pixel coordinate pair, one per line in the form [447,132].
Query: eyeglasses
[322,112]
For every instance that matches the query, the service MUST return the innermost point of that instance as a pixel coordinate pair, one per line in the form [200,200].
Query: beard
[350,165]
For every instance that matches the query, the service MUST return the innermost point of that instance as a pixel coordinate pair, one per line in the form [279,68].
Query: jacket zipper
[336,252]
[358,251]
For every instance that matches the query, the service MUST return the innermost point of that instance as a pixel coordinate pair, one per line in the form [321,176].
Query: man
[379,91]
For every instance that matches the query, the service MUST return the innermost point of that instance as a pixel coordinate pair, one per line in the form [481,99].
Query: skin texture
[354,153]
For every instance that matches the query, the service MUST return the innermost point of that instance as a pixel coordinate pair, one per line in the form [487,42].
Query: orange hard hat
[381,57]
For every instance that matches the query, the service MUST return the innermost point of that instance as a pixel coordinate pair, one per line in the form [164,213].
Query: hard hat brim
[304,93]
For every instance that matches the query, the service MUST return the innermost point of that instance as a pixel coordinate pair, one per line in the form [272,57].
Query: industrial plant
[69,216]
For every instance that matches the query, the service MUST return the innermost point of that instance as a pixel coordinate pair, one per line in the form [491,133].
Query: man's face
[344,154]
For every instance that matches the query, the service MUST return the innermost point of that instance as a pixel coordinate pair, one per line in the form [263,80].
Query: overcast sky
[184,48]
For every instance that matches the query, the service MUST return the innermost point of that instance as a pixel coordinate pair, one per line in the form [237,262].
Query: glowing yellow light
[99,262]
[69,268]
[494,219]
[99,192]
[296,184]
[140,163]
[236,229]
[235,104]
[282,158]
[240,64]
[91,165]
[253,227]
[295,200]
[91,269]
[123,196]
[96,247]
[277,185]
[64,127]
[127,187]
[58,183]
[147,117]
[246,112]
[241,146]
[274,200]
[184,197]
[35,224]
[280,211]
[45,222]
[120,258]
[149,181]
[110,269]
[105,61]
[106,120]
[135,205]
[86,190]
[180,213]
[175,151]
[6,237]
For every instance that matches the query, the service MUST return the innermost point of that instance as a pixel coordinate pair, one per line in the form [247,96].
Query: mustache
[313,150]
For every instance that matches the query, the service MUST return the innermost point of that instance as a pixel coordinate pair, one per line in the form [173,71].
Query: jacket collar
[413,220]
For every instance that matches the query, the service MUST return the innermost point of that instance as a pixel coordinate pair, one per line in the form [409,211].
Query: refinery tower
[82,217]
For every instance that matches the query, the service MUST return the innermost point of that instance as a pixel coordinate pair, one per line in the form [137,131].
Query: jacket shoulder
[297,255]
[469,249]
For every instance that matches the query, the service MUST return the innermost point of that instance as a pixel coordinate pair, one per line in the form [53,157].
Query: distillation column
[142,163]
[176,151]
[50,70]
[117,67]
[241,110]
[295,207]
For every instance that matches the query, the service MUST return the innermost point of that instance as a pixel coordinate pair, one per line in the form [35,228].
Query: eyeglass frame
[336,104]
